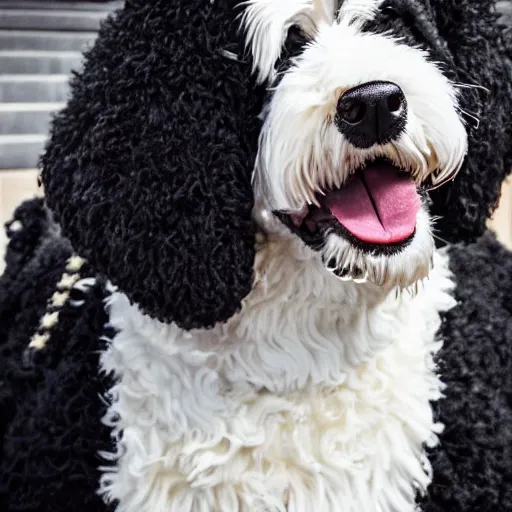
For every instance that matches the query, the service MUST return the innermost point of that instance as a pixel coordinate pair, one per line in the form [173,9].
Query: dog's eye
[295,42]
[390,10]
[293,46]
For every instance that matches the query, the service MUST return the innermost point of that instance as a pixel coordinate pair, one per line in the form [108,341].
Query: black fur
[50,406]
[293,46]
[473,465]
[148,168]
[481,56]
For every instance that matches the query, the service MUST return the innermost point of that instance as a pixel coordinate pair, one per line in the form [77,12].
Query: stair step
[41,42]
[33,88]
[46,41]
[27,118]
[21,151]
[50,19]
[90,5]
[14,62]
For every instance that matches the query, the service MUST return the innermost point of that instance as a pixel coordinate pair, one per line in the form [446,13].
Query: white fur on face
[267,22]
[302,153]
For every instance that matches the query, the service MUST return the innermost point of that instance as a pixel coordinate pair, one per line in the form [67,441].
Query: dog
[262,201]
[300,400]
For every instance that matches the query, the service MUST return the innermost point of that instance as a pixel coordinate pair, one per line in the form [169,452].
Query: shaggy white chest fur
[314,397]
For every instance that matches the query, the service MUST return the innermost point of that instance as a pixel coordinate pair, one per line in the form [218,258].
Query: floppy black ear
[148,167]
[479,55]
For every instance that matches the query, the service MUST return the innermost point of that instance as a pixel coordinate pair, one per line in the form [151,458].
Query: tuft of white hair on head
[266,24]
[357,12]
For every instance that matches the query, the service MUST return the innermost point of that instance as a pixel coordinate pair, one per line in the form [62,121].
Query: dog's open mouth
[376,210]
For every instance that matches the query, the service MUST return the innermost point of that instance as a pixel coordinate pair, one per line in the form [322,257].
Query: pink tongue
[396,201]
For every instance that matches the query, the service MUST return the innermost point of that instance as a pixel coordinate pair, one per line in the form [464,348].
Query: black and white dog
[256,191]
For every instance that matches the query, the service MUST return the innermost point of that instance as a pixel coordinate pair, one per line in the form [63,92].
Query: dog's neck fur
[315,394]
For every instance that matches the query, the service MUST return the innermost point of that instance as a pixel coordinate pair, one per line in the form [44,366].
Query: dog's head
[353,123]
[360,123]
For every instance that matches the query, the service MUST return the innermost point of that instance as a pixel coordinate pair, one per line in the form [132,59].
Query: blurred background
[41,42]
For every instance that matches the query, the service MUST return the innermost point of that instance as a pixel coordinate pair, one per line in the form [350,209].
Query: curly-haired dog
[275,295]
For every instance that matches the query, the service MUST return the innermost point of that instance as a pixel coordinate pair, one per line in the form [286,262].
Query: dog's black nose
[372,113]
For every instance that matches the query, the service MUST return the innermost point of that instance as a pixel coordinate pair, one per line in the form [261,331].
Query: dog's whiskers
[471,116]
[471,86]
[437,237]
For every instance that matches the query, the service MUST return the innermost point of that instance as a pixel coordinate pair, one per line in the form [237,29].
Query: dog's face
[148,168]
[357,126]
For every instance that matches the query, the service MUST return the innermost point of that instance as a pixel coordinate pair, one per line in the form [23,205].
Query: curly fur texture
[148,173]
[49,405]
[473,463]
[465,205]
[148,168]
[49,456]
[296,403]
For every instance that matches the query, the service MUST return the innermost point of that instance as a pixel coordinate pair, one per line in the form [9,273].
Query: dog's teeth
[296,219]
[361,279]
